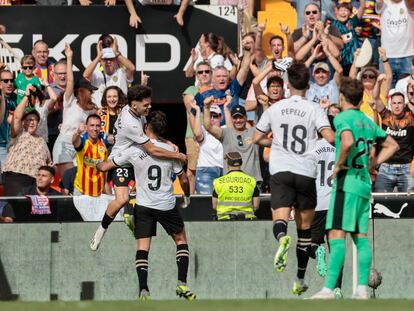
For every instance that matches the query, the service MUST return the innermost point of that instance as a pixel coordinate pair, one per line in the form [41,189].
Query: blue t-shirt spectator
[220,97]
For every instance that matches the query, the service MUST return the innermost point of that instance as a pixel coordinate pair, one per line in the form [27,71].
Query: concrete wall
[228,260]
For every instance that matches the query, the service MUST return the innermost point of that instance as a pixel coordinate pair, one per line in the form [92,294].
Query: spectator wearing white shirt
[397,35]
[77,105]
[109,68]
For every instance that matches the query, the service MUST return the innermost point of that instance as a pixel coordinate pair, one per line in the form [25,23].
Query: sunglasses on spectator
[7,80]
[27,67]
[214,116]
[411,93]
[239,140]
[368,76]
[203,71]
[311,12]
[60,73]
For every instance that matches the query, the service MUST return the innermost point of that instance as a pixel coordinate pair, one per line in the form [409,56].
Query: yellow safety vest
[235,195]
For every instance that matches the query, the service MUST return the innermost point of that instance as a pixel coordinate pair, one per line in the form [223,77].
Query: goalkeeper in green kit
[349,208]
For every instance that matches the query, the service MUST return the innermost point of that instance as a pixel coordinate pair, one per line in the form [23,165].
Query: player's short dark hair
[397,94]
[275,79]
[93,116]
[276,37]
[138,93]
[50,169]
[298,76]
[352,90]
[157,120]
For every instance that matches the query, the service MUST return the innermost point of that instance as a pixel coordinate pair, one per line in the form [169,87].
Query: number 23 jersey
[294,123]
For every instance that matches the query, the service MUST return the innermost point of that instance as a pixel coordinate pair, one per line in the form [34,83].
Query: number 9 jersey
[152,176]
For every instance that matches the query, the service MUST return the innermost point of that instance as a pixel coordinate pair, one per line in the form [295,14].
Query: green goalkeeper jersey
[366,133]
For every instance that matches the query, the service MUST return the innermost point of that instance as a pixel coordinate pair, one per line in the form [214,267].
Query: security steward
[235,195]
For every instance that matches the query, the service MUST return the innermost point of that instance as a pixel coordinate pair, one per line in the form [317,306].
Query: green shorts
[348,212]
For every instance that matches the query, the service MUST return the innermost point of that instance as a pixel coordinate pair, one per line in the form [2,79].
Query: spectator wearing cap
[27,151]
[44,66]
[210,160]
[43,186]
[236,137]
[221,88]
[77,105]
[325,90]
[236,195]
[108,68]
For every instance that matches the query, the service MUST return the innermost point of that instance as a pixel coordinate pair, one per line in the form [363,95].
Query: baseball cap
[108,53]
[321,65]
[233,159]
[215,109]
[238,110]
[85,84]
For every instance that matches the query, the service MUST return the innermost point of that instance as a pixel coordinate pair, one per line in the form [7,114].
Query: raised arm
[245,67]
[306,48]
[134,19]
[376,93]
[306,36]
[16,124]
[289,40]
[353,72]
[189,72]
[227,113]
[123,61]
[256,81]
[334,62]
[386,85]
[69,72]
[195,124]
[87,73]
[259,54]
[76,138]
[361,9]
[214,130]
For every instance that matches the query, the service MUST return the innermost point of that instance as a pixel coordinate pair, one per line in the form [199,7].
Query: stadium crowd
[49,119]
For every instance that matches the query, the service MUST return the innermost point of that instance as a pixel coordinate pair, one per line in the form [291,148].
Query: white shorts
[63,150]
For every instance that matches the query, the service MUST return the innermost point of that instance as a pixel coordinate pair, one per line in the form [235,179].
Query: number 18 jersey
[294,123]
[366,133]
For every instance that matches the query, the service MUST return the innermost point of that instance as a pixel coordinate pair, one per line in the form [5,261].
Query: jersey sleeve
[136,134]
[264,123]
[321,119]
[177,167]
[235,88]
[341,124]
[121,159]
[83,138]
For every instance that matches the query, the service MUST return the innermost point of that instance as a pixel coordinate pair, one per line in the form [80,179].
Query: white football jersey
[128,130]
[152,176]
[325,160]
[294,123]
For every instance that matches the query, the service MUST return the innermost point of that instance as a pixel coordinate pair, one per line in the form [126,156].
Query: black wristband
[385,61]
